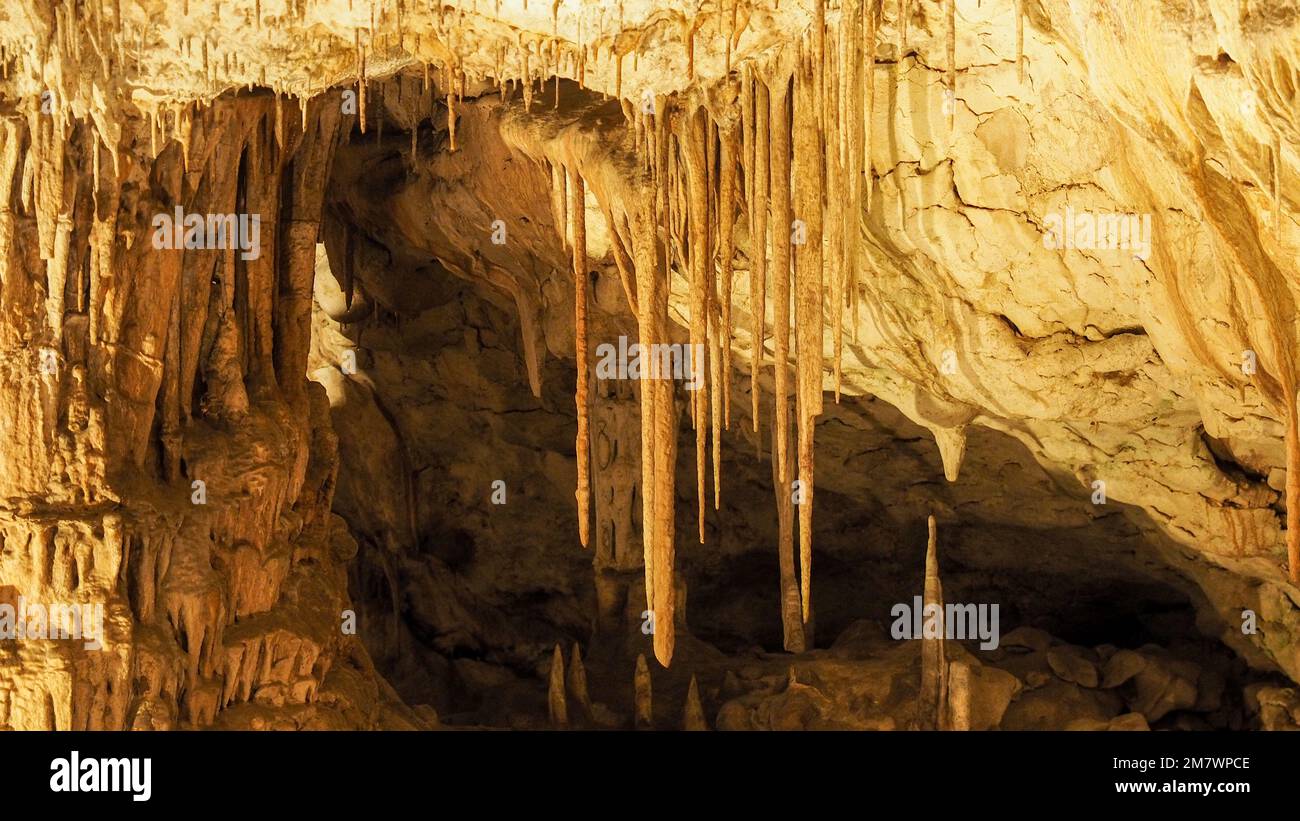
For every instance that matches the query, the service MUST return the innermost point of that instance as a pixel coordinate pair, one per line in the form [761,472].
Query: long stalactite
[758,244]
[808,291]
[691,139]
[577,211]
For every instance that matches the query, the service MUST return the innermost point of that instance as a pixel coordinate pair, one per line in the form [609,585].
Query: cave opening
[472,599]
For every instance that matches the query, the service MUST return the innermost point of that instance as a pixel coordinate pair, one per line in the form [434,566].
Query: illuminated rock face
[252,252]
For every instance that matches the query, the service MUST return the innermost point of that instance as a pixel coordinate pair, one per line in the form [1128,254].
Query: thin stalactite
[759,246]
[691,137]
[781,235]
[808,294]
[727,251]
[952,62]
[578,233]
[714,313]
[1020,41]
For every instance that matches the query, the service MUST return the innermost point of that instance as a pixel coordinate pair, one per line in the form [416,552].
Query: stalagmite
[556,703]
[577,683]
[933,657]
[578,232]
[693,715]
[956,708]
[644,715]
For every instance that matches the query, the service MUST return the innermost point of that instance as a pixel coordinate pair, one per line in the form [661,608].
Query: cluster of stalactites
[759,150]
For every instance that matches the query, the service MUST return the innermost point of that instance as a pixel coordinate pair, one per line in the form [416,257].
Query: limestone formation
[556,699]
[934,664]
[693,714]
[644,712]
[293,417]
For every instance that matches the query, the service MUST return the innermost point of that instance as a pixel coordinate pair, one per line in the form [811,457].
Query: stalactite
[622,260]
[279,122]
[361,95]
[864,176]
[808,291]
[747,144]
[1275,152]
[781,245]
[693,713]
[644,708]
[665,435]
[647,281]
[556,703]
[558,207]
[713,312]
[1292,484]
[527,84]
[819,67]
[952,449]
[658,434]
[952,61]
[690,51]
[692,137]
[758,240]
[791,608]
[1020,41]
[727,250]
[836,206]
[578,232]
[451,120]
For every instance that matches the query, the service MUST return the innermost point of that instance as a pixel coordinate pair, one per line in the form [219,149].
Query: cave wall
[166,458]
